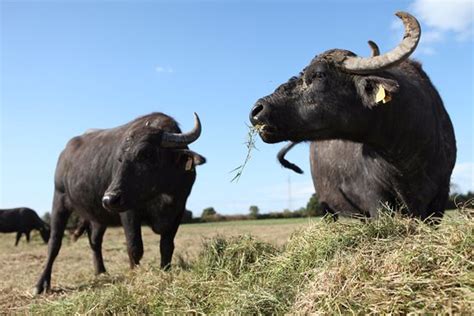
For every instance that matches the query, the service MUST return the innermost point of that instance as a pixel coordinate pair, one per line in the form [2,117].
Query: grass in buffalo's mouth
[250,145]
[392,265]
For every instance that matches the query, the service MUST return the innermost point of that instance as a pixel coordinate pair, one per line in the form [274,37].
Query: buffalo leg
[59,219]
[96,234]
[27,234]
[167,240]
[329,212]
[167,248]
[18,236]
[133,234]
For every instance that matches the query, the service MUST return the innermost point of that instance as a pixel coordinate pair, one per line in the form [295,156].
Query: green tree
[47,218]
[313,208]
[254,211]
[208,212]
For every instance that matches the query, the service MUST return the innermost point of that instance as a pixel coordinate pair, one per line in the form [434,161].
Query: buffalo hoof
[166,267]
[42,287]
[101,271]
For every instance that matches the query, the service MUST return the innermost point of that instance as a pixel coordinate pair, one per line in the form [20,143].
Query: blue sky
[70,66]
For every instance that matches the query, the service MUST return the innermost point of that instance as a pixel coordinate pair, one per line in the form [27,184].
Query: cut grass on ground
[21,266]
[392,265]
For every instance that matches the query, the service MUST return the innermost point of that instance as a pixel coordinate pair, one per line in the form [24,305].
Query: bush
[313,208]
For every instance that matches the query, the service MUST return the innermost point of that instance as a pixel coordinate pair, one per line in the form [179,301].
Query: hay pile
[392,265]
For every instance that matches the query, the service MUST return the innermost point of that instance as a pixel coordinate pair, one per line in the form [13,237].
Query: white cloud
[426,50]
[463,176]
[432,36]
[445,15]
[164,69]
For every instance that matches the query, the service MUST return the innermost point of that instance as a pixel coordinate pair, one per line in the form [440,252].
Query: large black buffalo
[139,172]
[22,220]
[378,128]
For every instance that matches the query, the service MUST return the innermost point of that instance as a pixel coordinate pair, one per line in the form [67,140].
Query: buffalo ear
[198,159]
[375,90]
[194,159]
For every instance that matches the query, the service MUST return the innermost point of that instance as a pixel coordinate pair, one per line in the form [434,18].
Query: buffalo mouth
[271,134]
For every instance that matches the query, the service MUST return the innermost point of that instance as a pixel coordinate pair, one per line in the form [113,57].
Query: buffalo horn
[374,47]
[360,65]
[180,139]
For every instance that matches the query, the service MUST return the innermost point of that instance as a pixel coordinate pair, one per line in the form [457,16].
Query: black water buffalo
[139,172]
[22,220]
[378,129]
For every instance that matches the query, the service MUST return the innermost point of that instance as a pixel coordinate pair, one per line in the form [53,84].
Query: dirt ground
[21,266]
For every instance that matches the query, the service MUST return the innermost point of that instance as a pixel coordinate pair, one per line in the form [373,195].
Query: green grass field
[392,265]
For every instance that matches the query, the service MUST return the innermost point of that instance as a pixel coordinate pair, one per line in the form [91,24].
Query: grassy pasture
[21,266]
[393,265]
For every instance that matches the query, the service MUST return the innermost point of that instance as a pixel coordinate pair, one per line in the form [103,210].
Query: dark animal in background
[22,220]
[142,171]
[378,128]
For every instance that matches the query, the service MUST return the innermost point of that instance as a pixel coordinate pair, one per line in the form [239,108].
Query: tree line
[312,209]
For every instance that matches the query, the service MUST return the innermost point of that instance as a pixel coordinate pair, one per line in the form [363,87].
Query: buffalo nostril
[257,109]
[106,201]
[110,200]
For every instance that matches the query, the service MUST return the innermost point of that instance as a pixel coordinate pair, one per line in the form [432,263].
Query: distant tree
[313,208]
[47,218]
[254,211]
[301,212]
[208,212]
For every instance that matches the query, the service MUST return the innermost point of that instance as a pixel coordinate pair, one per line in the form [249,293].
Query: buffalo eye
[369,89]
[315,76]
[120,159]
[318,75]
[146,155]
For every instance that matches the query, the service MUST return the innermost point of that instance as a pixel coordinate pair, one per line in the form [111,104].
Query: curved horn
[285,163]
[180,139]
[360,65]
[374,47]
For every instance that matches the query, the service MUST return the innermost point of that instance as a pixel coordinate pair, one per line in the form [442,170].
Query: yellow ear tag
[382,95]
[189,164]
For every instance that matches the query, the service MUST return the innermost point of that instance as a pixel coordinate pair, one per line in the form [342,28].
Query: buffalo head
[148,160]
[334,96]
[45,232]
